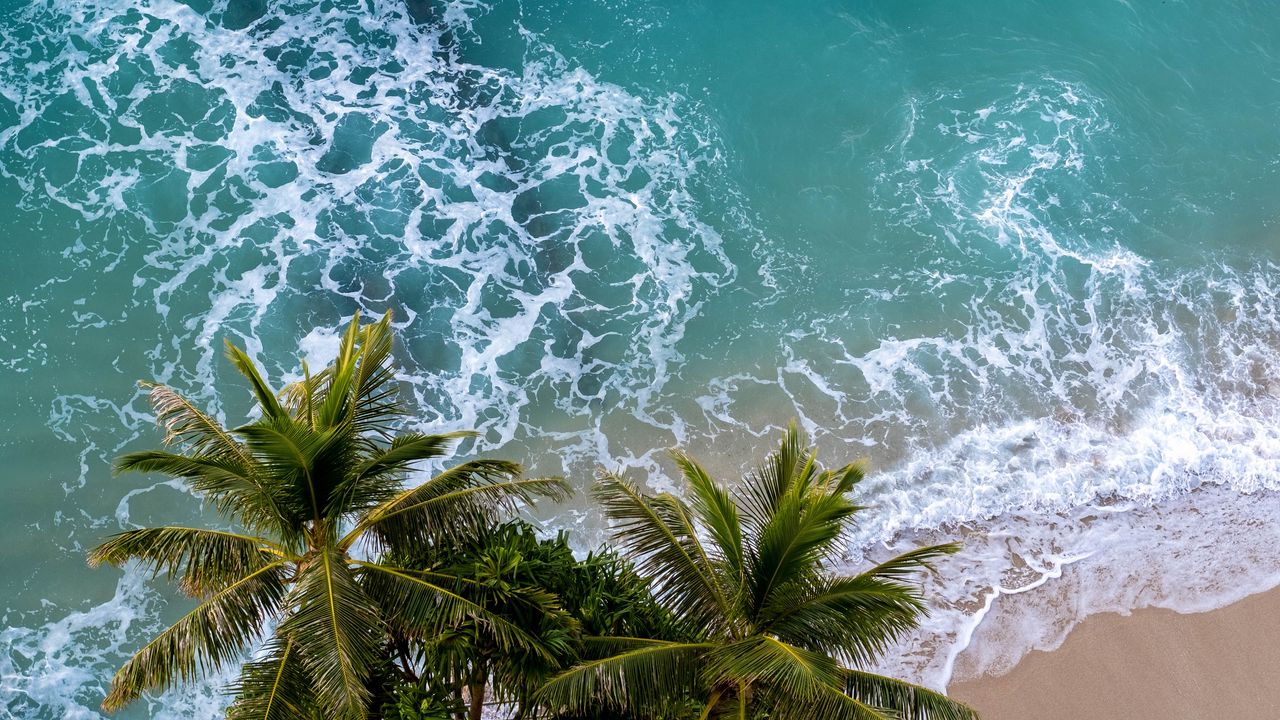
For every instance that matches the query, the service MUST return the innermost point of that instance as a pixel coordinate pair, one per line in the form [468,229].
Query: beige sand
[1151,665]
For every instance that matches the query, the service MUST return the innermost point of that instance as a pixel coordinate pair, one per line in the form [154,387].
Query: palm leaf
[205,560]
[657,534]
[337,403]
[857,618]
[765,487]
[903,566]
[186,425]
[232,488]
[452,505]
[797,538]
[379,476]
[267,400]
[419,604]
[274,687]
[216,632]
[829,704]
[642,680]
[906,700]
[718,513]
[406,450]
[338,631]
[302,463]
[374,389]
[762,660]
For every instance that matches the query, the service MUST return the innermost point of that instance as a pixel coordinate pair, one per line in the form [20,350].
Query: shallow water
[1024,257]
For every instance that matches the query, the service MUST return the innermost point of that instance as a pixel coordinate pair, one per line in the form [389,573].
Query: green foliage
[537,585]
[319,473]
[770,633]
[415,701]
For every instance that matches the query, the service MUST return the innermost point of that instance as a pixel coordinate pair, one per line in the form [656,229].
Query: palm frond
[658,535]
[195,431]
[216,632]
[205,560]
[903,566]
[273,687]
[232,488]
[452,504]
[301,463]
[763,488]
[419,604]
[338,402]
[299,398]
[374,381]
[267,399]
[338,630]
[829,704]
[641,680]
[797,538]
[839,482]
[718,513]
[857,618]
[605,645]
[406,450]
[762,660]
[907,701]
[379,476]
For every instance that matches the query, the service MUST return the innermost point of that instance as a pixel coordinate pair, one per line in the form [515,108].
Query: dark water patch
[352,144]
[240,14]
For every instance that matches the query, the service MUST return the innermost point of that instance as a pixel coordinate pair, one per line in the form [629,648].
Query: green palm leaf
[797,538]
[274,687]
[855,618]
[452,504]
[374,381]
[718,513]
[338,629]
[301,463]
[216,632]
[405,451]
[762,489]
[657,533]
[379,477]
[792,671]
[910,702]
[828,704]
[640,679]
[419,604]
[266,397]
[232,488]
[205,560]
[188,427]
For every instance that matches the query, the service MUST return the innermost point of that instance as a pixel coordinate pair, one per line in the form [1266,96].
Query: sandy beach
[1150,665]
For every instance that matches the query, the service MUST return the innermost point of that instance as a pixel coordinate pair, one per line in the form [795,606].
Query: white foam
[60,669]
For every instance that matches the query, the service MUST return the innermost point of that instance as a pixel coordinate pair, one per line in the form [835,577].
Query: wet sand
[1150,665]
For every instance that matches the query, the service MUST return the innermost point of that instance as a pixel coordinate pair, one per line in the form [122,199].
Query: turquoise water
[1022,255]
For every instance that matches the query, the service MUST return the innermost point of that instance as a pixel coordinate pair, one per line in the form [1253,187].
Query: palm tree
[777,636]
[314,489]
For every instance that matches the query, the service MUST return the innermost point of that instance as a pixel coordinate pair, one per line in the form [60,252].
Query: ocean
[1024,257]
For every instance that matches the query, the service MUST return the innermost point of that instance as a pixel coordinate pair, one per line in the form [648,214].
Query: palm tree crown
[313,487]
[775,635]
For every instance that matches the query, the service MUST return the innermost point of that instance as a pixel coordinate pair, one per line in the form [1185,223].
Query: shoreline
[1152,664]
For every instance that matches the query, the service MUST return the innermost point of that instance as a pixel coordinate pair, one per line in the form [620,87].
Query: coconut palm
[315,491]
[778,636]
